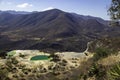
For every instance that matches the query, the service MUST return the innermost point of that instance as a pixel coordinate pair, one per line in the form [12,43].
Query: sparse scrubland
[102,64]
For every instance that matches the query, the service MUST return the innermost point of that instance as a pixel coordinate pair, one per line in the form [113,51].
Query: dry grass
[110,60]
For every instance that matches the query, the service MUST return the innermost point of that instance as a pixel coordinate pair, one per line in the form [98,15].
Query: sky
[97,8]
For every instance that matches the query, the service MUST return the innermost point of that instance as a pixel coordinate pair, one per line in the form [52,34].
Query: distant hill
[51,30]
[15,12]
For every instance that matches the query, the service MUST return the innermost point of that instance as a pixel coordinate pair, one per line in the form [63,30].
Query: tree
[114,12]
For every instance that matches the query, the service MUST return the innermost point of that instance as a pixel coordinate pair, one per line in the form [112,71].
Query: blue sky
[97,8]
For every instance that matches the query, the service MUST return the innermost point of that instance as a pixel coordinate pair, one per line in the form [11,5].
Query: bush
[101,53]
[14,61]
[4,74]
[3,54]
[98,71]
[21,55]
[114,72]
[54,57]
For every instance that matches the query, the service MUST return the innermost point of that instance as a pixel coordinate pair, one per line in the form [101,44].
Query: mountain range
[52,30]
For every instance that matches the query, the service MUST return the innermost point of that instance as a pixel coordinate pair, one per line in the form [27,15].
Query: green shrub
[11,53]
[114,72]
[101,53]
[54,57]
[21,55]
[98,71]
[93,70]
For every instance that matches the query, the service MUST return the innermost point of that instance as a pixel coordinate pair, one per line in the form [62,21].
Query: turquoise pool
[39,57]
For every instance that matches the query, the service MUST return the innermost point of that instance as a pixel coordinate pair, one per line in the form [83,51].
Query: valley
[50,30]
[57,45]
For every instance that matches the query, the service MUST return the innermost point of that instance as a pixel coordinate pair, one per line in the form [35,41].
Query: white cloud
[49,8]
[24,5]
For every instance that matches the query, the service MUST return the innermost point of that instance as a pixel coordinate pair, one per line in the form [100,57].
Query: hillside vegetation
[102,64]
